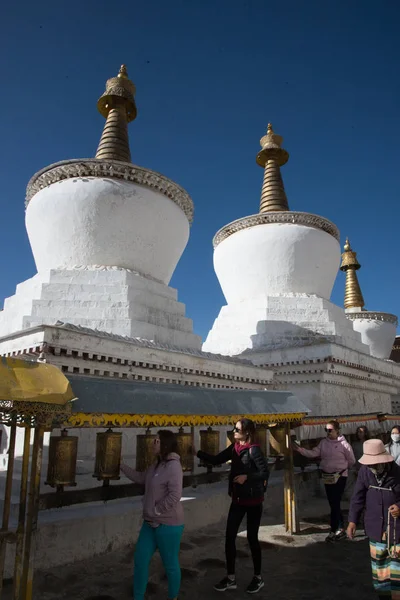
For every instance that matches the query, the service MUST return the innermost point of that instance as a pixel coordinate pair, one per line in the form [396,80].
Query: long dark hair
[168,443]
[363,428]
[249,428]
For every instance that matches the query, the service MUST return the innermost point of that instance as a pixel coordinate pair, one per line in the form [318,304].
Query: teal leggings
[167,538]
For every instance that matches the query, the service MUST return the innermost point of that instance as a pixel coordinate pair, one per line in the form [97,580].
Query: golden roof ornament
[353,297]
[118,106]
[271,157]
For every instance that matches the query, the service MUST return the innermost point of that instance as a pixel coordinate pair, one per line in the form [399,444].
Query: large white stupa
[277,269]
[106,236]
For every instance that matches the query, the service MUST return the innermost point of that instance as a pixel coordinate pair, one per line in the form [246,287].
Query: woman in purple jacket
[378,492]
[162,514]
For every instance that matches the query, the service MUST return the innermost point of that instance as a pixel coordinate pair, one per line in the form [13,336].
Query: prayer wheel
[61,469]
[185,443]
[209,443]
[145,450]
[277,440]
[260,438]
[108,455]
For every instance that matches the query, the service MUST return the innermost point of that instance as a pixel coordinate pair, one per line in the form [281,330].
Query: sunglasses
[237,430]
[328,430]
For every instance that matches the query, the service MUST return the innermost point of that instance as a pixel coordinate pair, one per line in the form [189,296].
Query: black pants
[334,494]
[235,517]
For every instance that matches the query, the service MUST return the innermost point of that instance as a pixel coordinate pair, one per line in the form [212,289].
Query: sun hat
[375,453]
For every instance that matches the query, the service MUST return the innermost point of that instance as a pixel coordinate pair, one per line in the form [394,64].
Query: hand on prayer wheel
[63,451]
[209,443]
[108,455]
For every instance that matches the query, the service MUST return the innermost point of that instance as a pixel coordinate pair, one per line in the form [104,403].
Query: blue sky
[210,75]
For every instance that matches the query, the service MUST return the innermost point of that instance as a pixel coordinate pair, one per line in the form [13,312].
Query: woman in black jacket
[247,485]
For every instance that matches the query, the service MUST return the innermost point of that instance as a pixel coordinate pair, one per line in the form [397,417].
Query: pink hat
[375,453]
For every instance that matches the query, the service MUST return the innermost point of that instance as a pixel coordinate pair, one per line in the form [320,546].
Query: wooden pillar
[21,515]
[32,515]
[7,500]
[292,524]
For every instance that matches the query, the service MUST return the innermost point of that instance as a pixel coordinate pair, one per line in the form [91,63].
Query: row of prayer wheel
[63,451]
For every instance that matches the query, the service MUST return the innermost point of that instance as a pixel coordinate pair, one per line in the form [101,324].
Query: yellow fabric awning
[23,381]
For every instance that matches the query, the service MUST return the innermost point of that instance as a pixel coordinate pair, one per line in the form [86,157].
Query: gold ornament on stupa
[353,297]
[117,105]
[272,157]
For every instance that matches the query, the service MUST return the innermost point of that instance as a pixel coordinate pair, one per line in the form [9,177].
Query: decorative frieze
[296,218]
[373,316]
[90,167]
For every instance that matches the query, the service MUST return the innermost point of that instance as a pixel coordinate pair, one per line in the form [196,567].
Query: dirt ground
[294,568]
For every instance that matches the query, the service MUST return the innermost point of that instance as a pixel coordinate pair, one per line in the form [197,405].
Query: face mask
[395,437]
[378,469]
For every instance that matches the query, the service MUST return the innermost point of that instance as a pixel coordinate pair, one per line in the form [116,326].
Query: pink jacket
[162,490]
[336,455]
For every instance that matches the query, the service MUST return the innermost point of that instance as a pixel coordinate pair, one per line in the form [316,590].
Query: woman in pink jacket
[337,457]
[162,514]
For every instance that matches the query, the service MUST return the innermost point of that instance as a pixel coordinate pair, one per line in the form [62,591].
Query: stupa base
[108,299]
[280,321]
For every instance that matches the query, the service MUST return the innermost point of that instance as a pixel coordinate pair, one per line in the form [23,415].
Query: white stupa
[377,329]
[277,269]
[106,236]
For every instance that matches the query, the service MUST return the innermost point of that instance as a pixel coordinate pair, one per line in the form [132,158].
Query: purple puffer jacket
[376,502]
[162,490]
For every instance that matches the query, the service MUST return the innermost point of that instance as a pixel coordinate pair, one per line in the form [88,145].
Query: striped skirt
[385,571]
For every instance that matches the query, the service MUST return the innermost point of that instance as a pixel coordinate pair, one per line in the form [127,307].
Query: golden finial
[271,157]
[353,297]
[117,105]
[123,72]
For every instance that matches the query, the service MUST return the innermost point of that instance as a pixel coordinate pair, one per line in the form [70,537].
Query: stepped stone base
[278,322]
[113,300]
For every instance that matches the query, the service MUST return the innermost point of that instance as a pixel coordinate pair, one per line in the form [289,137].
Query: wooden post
[21,515]
[7,500]
[32,515]
[292,524]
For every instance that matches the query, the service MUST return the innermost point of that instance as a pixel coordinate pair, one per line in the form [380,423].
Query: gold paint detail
[90,167]
[144,451]
[353,297]
[61,470]
[108,455]
[272,157]
[288,217]
[146,421]
[185,443]
[209,443]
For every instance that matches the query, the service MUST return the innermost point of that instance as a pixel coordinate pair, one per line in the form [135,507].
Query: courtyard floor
[294,568]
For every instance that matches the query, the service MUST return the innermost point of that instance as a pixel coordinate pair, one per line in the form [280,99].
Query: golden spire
[117,105]
[353,297]
[272,157]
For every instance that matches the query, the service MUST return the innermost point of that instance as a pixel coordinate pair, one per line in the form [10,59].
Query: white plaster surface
[279,321]
[100,221]
[276,258]
[116,301]
[377,334]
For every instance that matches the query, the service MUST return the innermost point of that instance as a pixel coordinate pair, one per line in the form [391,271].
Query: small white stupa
[377,329]
[106,236]
[277,269]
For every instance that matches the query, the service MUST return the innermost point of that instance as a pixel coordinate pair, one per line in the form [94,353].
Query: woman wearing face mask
[162,515]
[247,485]
[377,492]
[337,458]
[394,445]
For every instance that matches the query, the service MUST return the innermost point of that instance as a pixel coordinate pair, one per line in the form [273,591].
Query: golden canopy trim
[129,420]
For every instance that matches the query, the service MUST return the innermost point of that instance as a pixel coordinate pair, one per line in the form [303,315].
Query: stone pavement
[294,568]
